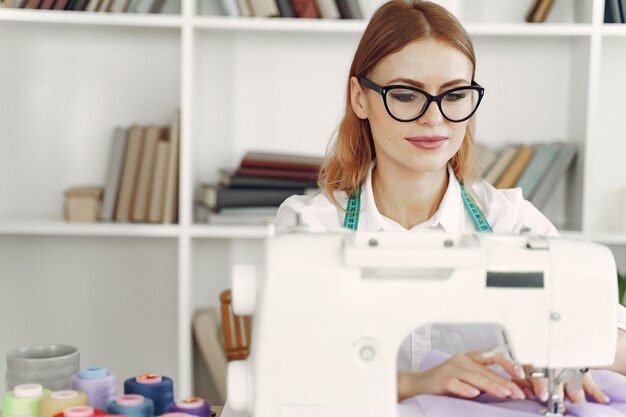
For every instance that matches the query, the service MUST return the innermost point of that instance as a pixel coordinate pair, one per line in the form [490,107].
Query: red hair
[393,26]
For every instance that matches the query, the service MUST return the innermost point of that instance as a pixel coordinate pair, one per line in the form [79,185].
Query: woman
[403,160]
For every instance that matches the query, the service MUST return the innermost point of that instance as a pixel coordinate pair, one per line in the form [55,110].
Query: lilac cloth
[485,405]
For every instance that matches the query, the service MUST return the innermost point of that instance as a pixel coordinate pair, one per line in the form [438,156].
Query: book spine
[114,175]
[285,7]
[501,164]
[155,210]
[566,155]
[515,169]
[305,9]
[146,174]
[128,186]
[170,195]
[216,198]
[276,173]
[537,167]
[328,9]
[47,4]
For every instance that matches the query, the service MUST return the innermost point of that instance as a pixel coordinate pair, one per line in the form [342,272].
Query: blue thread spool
[194,406]
[160,389]
[99,384]
[132,405]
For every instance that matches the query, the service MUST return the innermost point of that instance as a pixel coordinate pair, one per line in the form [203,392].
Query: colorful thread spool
[60,400]
[160,389]
[132,405]
[99,385]
[176,415]
[194,406]
[80,411]
[24,400]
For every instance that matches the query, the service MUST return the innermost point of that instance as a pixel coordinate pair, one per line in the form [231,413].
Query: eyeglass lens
[407,104]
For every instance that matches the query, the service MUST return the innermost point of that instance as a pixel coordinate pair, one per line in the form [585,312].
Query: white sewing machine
[331,310]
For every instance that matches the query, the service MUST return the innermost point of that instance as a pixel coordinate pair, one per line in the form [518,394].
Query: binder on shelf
[114,174]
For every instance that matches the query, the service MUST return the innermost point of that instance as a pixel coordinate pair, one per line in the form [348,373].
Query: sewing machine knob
[239,386]
[244,289]
[367,353]
[366,348]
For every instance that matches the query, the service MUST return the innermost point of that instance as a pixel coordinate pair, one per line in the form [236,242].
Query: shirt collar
[449,215]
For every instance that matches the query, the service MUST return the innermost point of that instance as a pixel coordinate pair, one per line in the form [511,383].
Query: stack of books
[312,9]
[116,6]
[142,177]
[536,169]
[252,192]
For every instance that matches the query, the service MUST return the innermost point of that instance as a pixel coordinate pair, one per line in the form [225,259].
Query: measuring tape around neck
[351,220]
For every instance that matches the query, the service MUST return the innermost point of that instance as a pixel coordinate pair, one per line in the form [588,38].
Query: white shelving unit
[125,293]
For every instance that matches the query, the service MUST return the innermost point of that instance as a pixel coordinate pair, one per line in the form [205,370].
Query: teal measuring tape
[480,223]
[351,220]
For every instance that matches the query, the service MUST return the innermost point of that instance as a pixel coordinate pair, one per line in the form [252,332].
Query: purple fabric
[485,405]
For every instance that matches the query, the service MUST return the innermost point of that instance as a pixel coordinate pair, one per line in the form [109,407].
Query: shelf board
[269,24]
[59,227]
[91,18]
[610,238]
[230,231]
[38,226]
[529,29]
[358,26]
[614,29]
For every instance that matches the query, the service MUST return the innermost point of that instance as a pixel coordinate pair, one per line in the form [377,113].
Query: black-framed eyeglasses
[406,104]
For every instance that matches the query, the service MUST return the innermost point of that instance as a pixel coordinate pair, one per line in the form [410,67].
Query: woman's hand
[575,391]
[464,376]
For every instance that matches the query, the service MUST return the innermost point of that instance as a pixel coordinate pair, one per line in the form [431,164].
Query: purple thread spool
[192,405]
[100,386]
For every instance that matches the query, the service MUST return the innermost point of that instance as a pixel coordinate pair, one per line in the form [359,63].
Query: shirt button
[420,331]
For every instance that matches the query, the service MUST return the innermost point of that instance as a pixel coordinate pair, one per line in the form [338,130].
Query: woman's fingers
[540,388]
[461,389]
[485,379]
[591,388]
[488,358]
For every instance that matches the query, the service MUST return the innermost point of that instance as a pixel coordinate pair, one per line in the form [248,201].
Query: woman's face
[428,143]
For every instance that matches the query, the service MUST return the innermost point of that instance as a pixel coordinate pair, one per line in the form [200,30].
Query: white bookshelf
[68,78]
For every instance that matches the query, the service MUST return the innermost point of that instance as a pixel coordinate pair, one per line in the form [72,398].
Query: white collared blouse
[505,211]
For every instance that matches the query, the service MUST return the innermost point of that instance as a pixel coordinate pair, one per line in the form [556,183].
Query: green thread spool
[24,400]
[60,400]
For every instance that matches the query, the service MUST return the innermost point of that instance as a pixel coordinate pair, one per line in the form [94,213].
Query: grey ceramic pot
[49,365]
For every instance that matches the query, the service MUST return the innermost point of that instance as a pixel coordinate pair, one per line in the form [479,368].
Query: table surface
[217,409]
